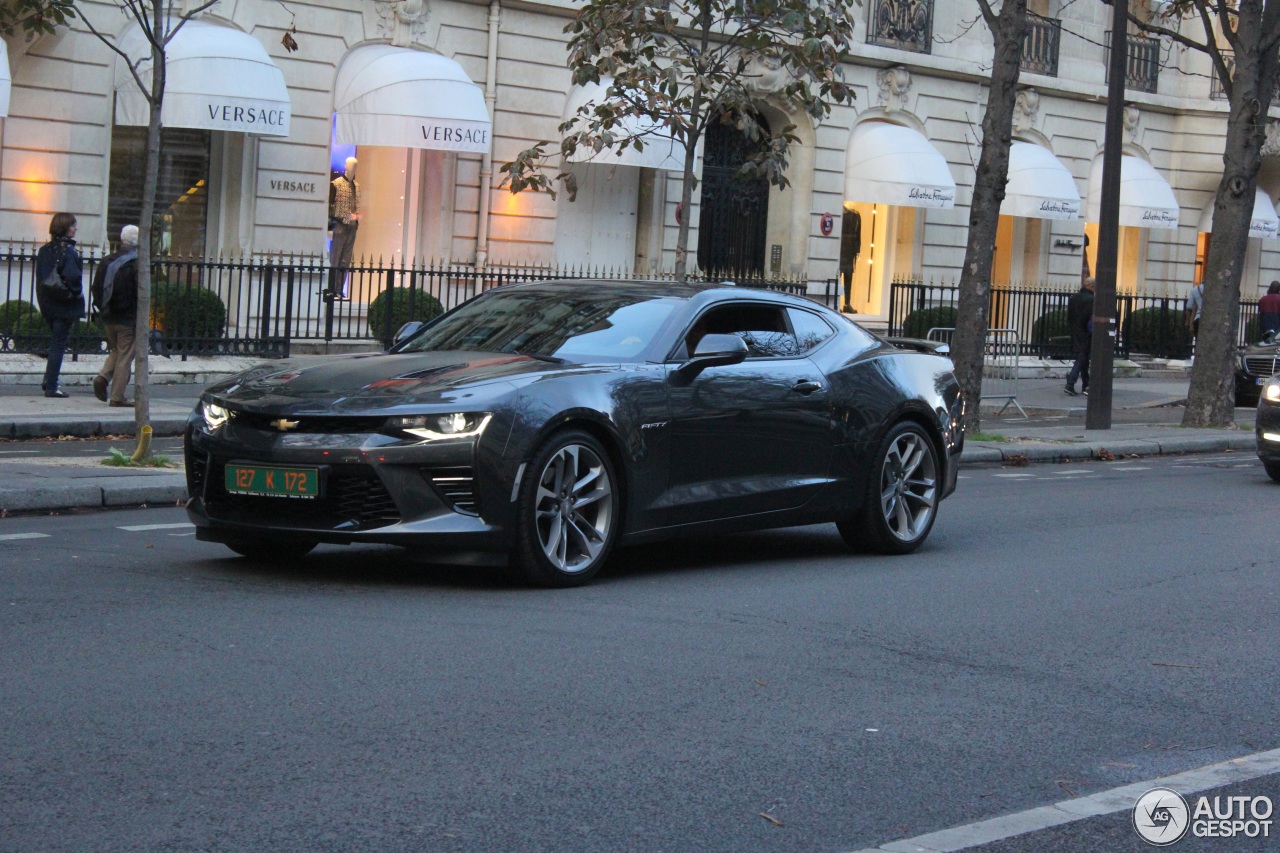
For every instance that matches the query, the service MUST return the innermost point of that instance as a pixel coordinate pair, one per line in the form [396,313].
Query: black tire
[270,550]
[1273,469]
[570,475]
[901,501]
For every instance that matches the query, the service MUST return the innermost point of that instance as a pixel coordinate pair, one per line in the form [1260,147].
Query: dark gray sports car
[552,421]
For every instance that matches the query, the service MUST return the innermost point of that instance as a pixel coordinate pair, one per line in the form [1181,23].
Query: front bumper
[1267,431]
[442,496]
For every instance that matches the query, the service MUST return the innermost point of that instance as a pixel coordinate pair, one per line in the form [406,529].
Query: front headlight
[441,427]
[1271,392]
[214,415]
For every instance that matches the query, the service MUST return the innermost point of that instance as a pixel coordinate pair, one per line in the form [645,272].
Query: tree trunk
[968,344]
[1211,397]
[151,178]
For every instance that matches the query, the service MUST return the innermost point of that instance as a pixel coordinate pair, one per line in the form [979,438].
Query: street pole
[1102,348]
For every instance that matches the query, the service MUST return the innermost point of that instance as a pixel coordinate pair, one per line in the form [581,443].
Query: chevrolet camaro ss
[549,422]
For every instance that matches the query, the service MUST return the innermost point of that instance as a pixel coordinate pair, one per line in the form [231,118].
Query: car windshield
[573,324]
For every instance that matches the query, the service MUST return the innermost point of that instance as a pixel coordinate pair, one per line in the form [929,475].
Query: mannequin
[344,220]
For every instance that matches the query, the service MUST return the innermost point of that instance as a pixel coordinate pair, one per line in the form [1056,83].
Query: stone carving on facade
[894,85]
[1025,109]
[766,75]
[1132,116]
[402,21]
[1271,142]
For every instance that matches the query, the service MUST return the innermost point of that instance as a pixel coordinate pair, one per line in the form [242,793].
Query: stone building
[431,96]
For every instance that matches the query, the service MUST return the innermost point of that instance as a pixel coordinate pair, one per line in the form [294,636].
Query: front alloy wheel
[902,496]
[568,511]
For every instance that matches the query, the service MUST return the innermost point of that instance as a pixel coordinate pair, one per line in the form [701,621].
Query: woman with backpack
[59,293]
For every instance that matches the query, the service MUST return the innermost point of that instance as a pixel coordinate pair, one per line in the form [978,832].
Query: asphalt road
[1067,629]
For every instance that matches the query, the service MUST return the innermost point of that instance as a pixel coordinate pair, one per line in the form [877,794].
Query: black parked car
[551,421]
[1255,364]
[1267,428]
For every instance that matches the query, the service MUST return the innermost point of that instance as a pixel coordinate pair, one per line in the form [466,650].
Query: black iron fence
[1040,45]
[263,306]
[1153,326]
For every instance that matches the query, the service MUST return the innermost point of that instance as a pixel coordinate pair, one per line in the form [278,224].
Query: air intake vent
[457,487]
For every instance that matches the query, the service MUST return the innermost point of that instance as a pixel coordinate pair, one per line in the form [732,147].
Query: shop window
[180,220]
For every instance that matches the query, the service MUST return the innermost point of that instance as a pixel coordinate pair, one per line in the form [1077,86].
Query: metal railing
[1040,45]
[1001,364]
[1142,70]
[263,305]
[901,24]
[1148,325]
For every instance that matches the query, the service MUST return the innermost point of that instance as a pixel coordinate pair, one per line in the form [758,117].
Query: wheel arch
[599,429]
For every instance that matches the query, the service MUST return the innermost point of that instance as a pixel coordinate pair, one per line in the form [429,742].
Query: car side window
[763,328]
[810,329]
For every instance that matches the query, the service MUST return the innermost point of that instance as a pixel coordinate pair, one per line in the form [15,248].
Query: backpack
[102,299]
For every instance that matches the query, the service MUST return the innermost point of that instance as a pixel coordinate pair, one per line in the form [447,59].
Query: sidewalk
[1146,413]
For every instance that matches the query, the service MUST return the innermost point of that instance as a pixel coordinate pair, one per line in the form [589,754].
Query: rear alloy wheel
[902,494]
[1273,469]
[270,550]
[568,511]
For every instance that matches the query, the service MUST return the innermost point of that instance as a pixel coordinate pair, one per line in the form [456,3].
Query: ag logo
[1161,816]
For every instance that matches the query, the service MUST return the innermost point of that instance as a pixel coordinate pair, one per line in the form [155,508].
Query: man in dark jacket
[1080,320]
[115,295]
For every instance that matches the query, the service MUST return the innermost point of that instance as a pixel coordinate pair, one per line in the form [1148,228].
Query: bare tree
[677,66]
[1247,66]
[1007,26]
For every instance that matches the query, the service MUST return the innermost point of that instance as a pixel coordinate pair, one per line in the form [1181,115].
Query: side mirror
[408,330]
[711,351]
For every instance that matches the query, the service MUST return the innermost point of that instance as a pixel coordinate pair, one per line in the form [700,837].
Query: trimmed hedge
[1158,332]
[31,334]
[184,311]
[407,304]
[13,311]
[920,321]
[1052,331]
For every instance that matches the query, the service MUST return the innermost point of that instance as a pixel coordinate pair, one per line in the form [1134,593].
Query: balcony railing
[901,24]
[1040,45]
[1143,68]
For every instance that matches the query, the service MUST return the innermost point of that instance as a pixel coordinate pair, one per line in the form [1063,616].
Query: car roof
[701,292]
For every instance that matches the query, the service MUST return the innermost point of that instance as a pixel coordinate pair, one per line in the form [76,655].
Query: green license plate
[273,481]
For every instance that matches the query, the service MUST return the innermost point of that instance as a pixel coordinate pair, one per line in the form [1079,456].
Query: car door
[752,437]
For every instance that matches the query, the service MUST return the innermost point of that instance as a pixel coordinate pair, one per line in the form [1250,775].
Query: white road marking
[5,452]
[7,536]
[138,528]
[1115,800]
[1076,471]
[1014,476]
[1128,468]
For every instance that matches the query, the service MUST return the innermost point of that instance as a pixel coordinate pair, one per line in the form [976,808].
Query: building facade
[417,103]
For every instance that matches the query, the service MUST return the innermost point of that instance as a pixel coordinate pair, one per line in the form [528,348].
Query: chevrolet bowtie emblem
[284,424]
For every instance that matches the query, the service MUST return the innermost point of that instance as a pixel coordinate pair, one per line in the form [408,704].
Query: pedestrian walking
[60,294]
[1195,304]
[115,295]
[1269,311]
[1080,321]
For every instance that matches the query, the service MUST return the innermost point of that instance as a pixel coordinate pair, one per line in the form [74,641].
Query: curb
[91,428]
[1022,453]
[97,493]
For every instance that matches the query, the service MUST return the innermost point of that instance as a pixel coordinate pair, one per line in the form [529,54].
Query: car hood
[380,382]
[1268,350]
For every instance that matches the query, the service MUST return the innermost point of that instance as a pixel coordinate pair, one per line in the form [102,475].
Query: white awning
[1264,223]
[404,98]
[6,79]
[891,164]
[1146,199]
[661,151]
[216,78]
[1039,186]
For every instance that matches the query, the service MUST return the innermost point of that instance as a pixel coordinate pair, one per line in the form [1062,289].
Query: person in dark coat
[115,295]
[60,309]
[1080,320]
[1269,310]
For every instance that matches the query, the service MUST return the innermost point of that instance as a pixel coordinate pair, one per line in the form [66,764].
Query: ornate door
[735,211]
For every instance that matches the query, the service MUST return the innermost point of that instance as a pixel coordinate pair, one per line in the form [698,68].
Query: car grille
[354,499]
[457,487]
[1262,365]
[305,424]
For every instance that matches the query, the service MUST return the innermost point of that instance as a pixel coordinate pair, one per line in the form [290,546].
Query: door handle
[806,387]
